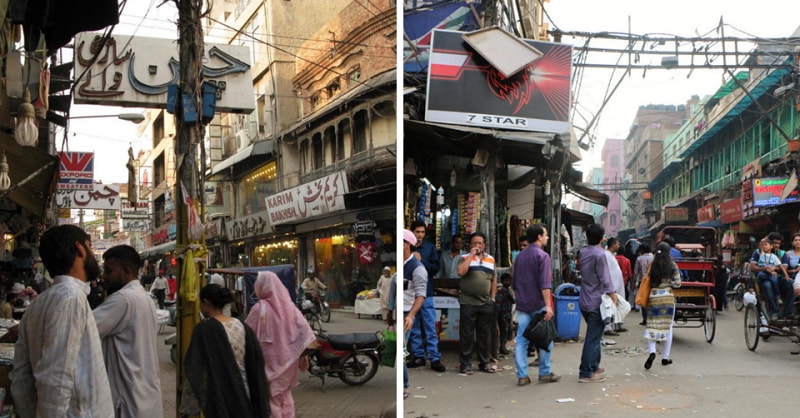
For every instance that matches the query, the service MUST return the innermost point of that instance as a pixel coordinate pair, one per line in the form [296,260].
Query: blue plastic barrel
[568,313]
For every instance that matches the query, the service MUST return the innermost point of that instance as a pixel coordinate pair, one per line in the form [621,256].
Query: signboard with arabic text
[103,196]
[136,71]
[308,200]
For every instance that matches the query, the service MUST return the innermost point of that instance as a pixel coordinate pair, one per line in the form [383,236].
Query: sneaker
[610,333]
[522,381]
[621,330]
[550,378]
[600,372]
[596,378]
[607,341]
[437,366]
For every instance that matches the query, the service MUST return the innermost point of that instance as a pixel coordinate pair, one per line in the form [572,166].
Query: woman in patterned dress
[224,364]
[664,275]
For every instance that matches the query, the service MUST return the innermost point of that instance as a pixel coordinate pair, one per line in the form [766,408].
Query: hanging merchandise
[462,210]
[439,231]
[729,239]
[423,196]
[473,210]
[454,222]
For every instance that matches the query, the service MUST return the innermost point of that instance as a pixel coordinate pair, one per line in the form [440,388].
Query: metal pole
[187,140]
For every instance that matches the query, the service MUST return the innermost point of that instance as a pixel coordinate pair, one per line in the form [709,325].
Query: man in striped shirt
[478,288]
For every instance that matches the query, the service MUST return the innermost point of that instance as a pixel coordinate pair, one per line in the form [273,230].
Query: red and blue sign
[76,170]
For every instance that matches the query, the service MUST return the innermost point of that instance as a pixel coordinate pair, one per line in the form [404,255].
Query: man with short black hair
[425,252]
[596,281]
[126,322]
[58,360]
[532,284]
[478,288]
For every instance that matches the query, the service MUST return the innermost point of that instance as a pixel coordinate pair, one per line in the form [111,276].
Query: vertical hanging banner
[76,171]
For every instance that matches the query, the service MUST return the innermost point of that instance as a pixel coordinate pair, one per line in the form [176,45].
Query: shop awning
[585,191]
[681,201]
[578,218]
[32,173]
[252,150]
[766,84]
[158,249]
[714,223]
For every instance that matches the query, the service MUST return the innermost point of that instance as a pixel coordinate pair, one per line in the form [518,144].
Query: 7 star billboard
[465,89]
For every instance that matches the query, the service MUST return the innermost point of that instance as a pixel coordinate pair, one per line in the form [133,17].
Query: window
[319,157]
[612,220]
[159,170]
[614,161]
[343,137]
[360,132]
[333,88]
[158,129]
[330,141]
[257,186]
[353,76]
[304,157]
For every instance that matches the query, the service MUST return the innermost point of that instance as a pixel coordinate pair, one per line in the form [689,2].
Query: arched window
[612,220]
[360,131]
[319,157]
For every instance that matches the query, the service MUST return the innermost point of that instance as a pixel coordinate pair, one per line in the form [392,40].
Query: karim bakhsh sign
[465,89]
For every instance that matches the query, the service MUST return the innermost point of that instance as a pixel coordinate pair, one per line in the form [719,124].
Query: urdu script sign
[308,200]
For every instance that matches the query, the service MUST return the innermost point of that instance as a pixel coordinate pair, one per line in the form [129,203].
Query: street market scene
[198,208]
[602,194]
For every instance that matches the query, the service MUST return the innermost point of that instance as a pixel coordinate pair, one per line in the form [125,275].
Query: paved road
[338,400]
[706,380]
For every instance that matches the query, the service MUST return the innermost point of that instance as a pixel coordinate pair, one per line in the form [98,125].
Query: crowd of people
[72,360]
[488,308]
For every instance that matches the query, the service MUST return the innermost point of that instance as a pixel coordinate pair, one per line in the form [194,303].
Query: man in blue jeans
[414,288]
[532,284]
[425,252]
[596,281]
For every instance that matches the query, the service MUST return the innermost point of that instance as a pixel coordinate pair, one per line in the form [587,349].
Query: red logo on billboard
[76,170]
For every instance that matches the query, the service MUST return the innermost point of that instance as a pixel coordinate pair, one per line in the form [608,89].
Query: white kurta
[127,325]
[616,274]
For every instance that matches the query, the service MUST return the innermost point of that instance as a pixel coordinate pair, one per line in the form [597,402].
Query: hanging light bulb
[5,182]
[453,178]
[26,133]
[440,196]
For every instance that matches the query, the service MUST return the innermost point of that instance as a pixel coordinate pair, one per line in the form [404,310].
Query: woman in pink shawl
[284,334]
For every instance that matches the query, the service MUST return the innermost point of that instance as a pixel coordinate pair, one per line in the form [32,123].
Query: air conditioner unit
[242,139]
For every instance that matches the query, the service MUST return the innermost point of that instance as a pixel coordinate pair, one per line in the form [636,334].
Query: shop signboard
[137,71]
[128,210]
[770,191]
[706,213]
[248,226]
[308,200]
[136,225]
[164,233]
[76,170]
[676,215]
[731,210]
[100,196]
[464,89]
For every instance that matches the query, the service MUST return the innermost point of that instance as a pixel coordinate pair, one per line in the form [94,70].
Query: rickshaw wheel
[738,297]
[751,325]
[710,323]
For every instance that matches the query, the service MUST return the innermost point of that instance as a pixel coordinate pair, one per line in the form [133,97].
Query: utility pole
[188,140]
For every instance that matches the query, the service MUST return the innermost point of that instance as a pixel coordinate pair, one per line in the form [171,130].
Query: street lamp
[136,118]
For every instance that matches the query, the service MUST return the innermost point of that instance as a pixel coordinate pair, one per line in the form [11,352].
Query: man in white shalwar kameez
[126,322]
[619,287]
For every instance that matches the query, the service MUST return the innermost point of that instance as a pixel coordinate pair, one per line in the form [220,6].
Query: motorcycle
[353,358]
[323,308]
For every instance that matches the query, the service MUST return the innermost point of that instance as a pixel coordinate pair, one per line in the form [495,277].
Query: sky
[767,18]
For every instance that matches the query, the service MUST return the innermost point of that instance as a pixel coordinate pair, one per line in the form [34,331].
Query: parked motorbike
[353,358]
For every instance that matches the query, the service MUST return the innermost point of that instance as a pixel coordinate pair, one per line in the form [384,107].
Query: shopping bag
[540,333]
[643,296]
[389,351]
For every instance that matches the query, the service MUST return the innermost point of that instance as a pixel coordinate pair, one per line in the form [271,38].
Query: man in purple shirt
[596,280]
[532,284]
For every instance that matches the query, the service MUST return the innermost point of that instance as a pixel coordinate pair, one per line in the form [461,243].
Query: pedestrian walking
[664,275]
[283,334]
